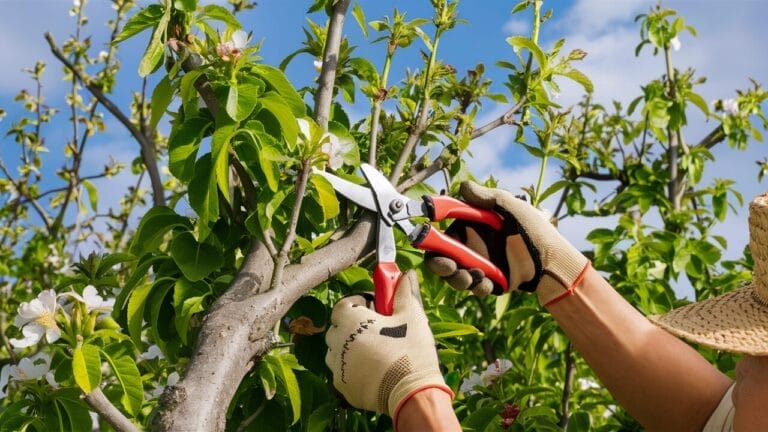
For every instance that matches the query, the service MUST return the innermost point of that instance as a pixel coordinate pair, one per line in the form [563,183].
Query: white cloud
[517,26]
[592,17]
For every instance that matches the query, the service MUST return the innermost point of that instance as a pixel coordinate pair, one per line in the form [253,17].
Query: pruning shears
[394,208]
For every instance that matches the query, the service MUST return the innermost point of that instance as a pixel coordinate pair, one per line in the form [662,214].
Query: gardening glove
[379,361]
[531,250]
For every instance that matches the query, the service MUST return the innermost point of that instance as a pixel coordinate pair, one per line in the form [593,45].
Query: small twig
[570,373]
[410,143]
[247,422]
[282,256]
[250,200]
[324,95]
[147,146]
[713,138]
[36,205]
[108,412]
[505,119]
[437,165]
[6,342]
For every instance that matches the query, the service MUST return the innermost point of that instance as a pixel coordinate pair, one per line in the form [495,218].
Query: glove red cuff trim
[411,394]
[572,289]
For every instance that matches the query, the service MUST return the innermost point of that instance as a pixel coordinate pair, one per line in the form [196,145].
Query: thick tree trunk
[237,330]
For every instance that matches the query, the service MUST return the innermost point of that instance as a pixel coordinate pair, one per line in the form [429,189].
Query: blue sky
[727,51]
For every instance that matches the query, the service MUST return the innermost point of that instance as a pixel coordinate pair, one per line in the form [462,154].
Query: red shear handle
[443,207]
[385,278]
[435,241]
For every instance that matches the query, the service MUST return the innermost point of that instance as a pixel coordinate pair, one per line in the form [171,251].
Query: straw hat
[738,320]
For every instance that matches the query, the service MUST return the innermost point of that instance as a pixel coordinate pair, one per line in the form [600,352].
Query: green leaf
[281,366]
[220,13]
[153,227]
[203,193]
[359,15]
[195,260]
[136,304]
[365,70]
[554,187]
[274,104]
[268,380]
[523,42]
[86,367]
[79,417]
[155,49]
[188,299]
[183,145]
[121,359]
[580,78]
[232,97]
[162,96]
[188,92]
[699,101]
[480,419]
[220,154]
[277,81]
[521,6]
[326,196]
[185,5]
[144,19]
[446,329]
[93,194]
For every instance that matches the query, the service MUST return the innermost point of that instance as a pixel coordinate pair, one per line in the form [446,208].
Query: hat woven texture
[738,320]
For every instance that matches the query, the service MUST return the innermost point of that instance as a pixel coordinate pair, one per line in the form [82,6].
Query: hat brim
[735,322]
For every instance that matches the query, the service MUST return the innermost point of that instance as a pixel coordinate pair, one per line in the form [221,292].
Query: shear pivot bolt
[395,206]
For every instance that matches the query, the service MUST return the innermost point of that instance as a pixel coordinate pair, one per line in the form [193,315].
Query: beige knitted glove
[536,257]
[379,361]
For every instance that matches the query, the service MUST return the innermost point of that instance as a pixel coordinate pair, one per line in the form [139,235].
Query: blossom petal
[239,39]
[32,332]
[4,373]
[52,334]
[48,298]
[29,311]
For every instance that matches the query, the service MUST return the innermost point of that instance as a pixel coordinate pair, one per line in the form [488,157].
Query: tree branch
[282,256]
[410,143]
[147,145]
[108,412]
[436,166]
[504,119]
[713,138]
[324,95]
[237,329]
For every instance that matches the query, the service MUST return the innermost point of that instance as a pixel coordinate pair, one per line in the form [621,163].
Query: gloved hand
[379,361]
[532,251]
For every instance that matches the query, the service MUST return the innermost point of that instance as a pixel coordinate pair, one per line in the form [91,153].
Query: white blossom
[495,370]
[233,48]
[29,369]
[153,352]
[92,300]
[674,43]
[587,383]
[731,106]
[336,148]
[37,318]
[172,380]
[318,64]
[468,384]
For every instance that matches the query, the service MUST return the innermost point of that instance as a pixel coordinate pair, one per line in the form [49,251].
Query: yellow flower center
[46,320]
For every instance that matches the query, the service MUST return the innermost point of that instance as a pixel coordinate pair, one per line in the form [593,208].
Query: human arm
[389,363]
[429,410]
[659,380]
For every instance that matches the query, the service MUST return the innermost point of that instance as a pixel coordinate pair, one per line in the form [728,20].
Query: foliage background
[240,165]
